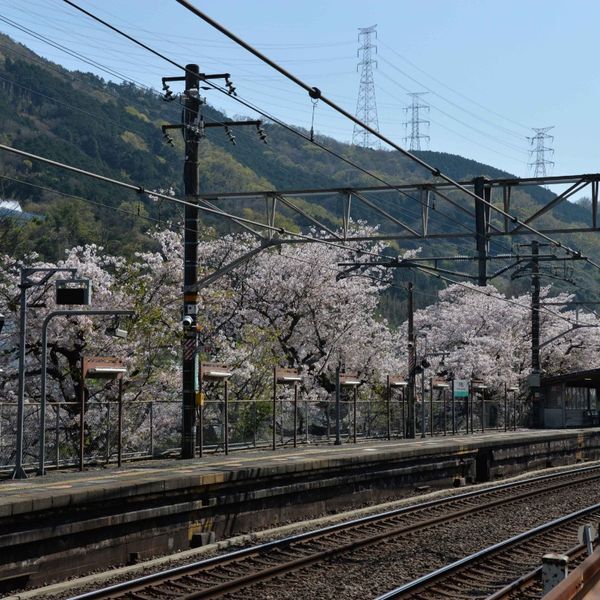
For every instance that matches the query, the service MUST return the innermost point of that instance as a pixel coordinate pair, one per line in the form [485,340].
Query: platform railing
[152,428]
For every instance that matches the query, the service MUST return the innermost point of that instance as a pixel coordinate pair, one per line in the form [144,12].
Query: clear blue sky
[493,69]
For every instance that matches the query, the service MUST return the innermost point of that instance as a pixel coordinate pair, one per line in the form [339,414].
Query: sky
[492,70]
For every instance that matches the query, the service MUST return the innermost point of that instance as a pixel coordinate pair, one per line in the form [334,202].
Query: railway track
[230,573]
[529,586]
[496,573]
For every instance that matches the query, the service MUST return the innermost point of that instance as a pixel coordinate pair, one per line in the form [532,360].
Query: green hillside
[114,130]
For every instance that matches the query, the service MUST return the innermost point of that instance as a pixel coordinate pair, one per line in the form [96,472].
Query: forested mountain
[115,130]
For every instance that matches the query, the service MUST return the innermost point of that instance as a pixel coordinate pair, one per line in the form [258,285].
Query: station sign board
[73,292]
[461,388]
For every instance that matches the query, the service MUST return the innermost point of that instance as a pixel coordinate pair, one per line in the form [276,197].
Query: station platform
[69,523]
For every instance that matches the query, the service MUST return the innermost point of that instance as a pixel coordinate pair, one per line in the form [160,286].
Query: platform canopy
[590,378]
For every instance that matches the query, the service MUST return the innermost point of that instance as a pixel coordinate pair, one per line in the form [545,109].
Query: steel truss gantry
[477,219]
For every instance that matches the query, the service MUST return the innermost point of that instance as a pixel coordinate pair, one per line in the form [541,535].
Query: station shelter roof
[589,378]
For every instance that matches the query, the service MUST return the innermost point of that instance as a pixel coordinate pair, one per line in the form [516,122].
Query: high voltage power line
[457,92]
[447,217]
[312,90]
[255,108]
[431,169]
[303,60]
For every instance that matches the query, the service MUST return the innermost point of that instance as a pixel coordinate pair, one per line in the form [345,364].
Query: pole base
[18,473]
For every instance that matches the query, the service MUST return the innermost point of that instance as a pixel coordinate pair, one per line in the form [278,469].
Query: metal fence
[153,428]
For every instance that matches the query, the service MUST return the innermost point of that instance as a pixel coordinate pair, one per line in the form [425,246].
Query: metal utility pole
[538,141]
[191,135]
[535,308]
[193,129]
[366,106]
[338,412]
[482,221]
[415,136]
[191,184]
[412,363]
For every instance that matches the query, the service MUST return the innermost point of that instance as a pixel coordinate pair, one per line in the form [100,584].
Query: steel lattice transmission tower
[538,141]
[414,124]
[366,106]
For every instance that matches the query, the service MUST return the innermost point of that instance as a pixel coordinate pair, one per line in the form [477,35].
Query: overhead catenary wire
[405,152]
[483,291]
[271,117]
[315,91]
[140,189]
[236,98]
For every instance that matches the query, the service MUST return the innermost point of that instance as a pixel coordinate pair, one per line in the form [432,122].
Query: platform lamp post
[215,372]
[479,386]
[284,376]
[442,386]
[395,382]
[70,291]
[115,332]
[344,379]
[513,389]
[506,390]
[101,367]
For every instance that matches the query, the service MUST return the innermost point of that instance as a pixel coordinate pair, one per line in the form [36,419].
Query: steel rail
[421,583]
[533,577]
[162,577]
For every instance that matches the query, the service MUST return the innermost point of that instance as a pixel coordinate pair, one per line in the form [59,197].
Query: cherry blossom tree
[485,335]
[285,306]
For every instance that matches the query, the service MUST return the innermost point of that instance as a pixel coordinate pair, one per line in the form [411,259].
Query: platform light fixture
[214,374]
[115,330]
[218,373]
[399,383]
